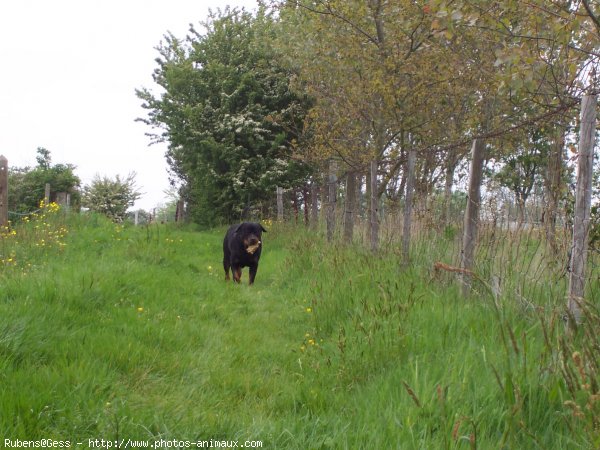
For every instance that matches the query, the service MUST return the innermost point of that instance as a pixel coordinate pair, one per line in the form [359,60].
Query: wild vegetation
[353,338]
[111,197]
[111,331]
[228,89]
[364,84]
[27,185]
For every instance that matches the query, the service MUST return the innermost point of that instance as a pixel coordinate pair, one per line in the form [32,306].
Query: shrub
[111,197]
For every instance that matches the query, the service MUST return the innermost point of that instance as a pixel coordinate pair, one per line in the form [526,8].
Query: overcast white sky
[68,74]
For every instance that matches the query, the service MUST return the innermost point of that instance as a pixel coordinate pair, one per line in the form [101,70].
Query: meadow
[117,332]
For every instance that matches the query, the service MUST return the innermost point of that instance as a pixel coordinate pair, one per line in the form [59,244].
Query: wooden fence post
[472,213]
[47,194]
[3,191]
[583,196]
[279,204]
[408,205]
[331,199]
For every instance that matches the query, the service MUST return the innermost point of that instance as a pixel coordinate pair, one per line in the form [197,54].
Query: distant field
[127,334]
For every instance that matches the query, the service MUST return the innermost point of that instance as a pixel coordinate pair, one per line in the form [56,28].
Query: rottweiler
[241,248]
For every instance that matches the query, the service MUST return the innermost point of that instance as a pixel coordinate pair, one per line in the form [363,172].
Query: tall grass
[125,332]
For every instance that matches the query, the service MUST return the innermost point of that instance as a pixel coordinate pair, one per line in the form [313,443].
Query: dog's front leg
[253,270]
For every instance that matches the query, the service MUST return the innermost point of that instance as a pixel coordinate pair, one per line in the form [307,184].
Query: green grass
[132,333]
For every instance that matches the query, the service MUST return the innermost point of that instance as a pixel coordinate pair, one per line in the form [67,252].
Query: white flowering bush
[111,197]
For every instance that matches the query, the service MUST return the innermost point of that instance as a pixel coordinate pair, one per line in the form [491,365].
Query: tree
[434,75]
[353,59]
[27,185]
[229,116]
[111,197]
[523,167]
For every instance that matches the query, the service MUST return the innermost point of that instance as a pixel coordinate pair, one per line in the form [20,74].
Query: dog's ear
[262,228]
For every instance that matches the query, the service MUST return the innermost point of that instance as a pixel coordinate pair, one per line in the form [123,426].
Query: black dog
[241,248]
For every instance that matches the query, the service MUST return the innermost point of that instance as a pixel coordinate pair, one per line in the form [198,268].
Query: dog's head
[250,234]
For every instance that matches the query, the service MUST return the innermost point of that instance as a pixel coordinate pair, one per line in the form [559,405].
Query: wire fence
[515,260]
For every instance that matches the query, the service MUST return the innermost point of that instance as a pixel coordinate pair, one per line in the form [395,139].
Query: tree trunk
[373,207]
[359,197]
[448,182]
[376,9]
[179,211]
[314,200]
[331,199]
[305,199]
[472,213]
[279,204]
[553,186]
[408,205]
[520,201]
[583,197]
[295,205]
[350,207]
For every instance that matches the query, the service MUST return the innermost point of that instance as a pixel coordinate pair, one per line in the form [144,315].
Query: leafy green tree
[228,115]
[111,197]
[43,158]
[522,168]
[27,185]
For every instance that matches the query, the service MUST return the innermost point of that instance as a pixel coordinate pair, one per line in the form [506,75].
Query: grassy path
[133,334]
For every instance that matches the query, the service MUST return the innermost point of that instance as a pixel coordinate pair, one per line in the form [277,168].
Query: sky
[68,74]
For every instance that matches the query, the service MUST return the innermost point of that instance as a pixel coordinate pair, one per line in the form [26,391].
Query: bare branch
[329,11]
[591,14]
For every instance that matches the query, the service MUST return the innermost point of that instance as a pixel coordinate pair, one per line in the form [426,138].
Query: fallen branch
[441,266]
